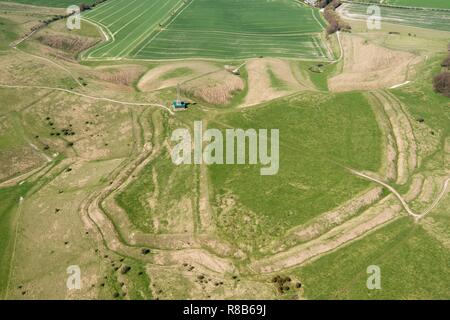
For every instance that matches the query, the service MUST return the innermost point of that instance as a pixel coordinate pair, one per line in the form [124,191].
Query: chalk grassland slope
[412,256]
[208,29]
[171,203]
[367,66]
[316,134]
[438,20]
[59,188]
[438,4]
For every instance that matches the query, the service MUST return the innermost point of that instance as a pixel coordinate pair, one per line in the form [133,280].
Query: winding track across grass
[416,216]
[91,97]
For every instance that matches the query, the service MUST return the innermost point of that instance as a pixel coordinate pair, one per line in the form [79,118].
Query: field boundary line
[116,32]
[170,22]
[315,18]
[105,34]
[278,34]
[142,37]
[126,14]
[341,54]
[134,19]
[54,63]
[207,59]
[13,253]
[117,11]
[102,27]
[109,4]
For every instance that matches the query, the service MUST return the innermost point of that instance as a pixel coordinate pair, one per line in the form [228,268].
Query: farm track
[14,46]
[416,216]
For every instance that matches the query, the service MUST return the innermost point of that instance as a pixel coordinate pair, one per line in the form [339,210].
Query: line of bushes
[83,7]
[335,23]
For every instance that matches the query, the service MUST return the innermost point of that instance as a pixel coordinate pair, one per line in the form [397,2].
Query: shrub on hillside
[442,83]
[446,63]
[335,23]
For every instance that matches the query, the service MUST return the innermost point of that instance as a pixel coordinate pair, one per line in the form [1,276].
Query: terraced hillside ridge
[221,29]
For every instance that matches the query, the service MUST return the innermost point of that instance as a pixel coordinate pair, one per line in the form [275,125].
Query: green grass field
[316,134]
[8,207]
[172,184]
[130,23]
[413,258]
[438,4]
[413,265]
[438,20]
[222,29]
[7,33]
[442,4]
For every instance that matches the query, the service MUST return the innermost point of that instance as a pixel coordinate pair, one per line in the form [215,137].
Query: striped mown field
[434,4]
[216,29]
[438,20]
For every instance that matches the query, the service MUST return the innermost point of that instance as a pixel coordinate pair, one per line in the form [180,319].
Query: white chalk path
[90,97]
[416,216]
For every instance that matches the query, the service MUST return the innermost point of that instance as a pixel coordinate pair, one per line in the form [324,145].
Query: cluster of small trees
[323,3]
[284,284]
[84,6]
[441,82]
[446,62]
[335,23]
